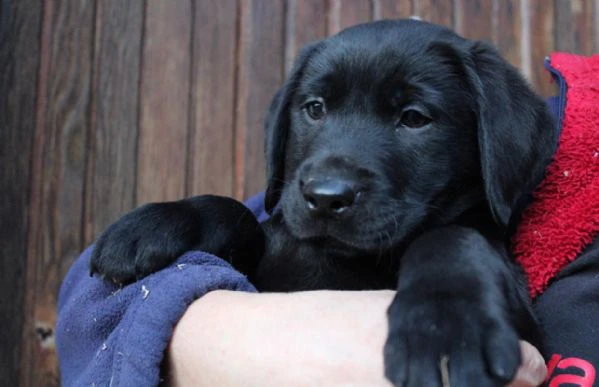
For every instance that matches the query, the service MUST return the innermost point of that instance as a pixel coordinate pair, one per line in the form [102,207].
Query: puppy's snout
[328,197]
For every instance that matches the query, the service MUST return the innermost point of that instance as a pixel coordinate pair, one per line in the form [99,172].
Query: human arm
[307,338]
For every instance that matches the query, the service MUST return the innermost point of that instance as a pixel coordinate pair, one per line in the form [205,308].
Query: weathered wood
[583,24]
[346,13]
[595,18]
[508,31]
[306,22]
[58,173]
[574,25]
[261,67]
[392,9]
[20,25]
[164,101]
[564,34]
[542,44]
[474,19]
[113,138]
[211,152]
[435,11]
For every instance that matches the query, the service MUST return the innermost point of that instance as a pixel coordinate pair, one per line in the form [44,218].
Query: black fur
[433,138]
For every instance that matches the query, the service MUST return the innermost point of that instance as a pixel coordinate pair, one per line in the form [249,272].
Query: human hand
[532,371]
[330,338]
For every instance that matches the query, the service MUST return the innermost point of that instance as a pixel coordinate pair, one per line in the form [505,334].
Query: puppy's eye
[413,119]
[315,110]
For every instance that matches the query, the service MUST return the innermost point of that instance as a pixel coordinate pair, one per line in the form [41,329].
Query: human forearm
[294,339]
[310,338]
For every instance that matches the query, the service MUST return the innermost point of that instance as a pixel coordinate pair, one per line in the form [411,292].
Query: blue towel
[112,336]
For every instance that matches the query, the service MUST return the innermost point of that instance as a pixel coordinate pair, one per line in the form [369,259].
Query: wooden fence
[108,104]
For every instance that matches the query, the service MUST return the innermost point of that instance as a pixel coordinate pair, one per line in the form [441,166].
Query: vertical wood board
[212,118]
[164,101]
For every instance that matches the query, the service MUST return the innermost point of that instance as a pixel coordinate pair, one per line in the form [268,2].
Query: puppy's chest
[292,265]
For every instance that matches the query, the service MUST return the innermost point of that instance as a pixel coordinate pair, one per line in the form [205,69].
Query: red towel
[564,215]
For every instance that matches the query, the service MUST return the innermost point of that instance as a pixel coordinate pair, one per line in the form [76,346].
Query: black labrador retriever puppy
[396,154]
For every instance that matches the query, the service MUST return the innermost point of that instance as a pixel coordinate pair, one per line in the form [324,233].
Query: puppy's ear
[516,132]
[277,129]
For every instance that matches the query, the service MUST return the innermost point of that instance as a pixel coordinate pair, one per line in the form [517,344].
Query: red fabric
[564,215]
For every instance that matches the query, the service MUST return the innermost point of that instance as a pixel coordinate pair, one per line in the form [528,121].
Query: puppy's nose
[328,197]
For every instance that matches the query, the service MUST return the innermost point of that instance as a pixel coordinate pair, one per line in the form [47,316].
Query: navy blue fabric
[569,314]
[554,106]
[557,104]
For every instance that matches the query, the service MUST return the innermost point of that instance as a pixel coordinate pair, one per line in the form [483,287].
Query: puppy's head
[391,127]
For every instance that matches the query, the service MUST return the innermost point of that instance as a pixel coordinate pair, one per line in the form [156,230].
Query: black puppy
[396,154]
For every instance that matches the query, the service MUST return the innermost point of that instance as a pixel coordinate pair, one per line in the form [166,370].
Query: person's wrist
[202,315]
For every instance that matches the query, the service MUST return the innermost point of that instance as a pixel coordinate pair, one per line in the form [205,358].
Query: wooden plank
[574,26]
[261,68]
[564,36]
[164,101]
[542,44]
[392,9]
[596,27]
[113,141]
[346,13]
[508,33]
[474,19]
[306,22]
[584,24]
[20,27]
[435,11]
[55,237]
[211,155]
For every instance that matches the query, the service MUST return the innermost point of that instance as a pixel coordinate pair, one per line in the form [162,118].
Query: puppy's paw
[441,343]
[143,241]
[153,236]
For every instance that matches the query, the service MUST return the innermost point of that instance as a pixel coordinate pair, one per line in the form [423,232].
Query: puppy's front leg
[457,315]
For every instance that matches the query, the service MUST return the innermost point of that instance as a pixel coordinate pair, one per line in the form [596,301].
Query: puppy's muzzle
[329,197]
[330,186]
